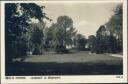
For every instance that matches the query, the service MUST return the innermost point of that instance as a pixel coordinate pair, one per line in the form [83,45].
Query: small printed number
[119,76]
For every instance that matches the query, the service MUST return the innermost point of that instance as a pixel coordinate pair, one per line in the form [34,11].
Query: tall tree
[115,26]
[18,17]
[100,39]
[37,38]
[49,36]
[64,33]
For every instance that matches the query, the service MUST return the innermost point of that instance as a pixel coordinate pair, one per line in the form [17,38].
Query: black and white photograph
[64,39]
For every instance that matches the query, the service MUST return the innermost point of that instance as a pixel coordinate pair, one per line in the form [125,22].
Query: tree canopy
[17,19]
[63,33]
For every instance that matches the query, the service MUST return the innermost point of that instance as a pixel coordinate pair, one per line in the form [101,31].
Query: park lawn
[78,57]
[79,63]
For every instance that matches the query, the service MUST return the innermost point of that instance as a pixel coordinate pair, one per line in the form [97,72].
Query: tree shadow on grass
[52,68]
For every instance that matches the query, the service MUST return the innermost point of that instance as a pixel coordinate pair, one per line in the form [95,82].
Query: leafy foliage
[63,33]
[36,38]
[115,26]
[109,38]
[17,19]
[92,43]
[26,31]
[80,42]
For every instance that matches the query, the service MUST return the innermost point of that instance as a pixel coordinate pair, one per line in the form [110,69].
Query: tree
[37,38]
[17,19]
[49,36]
[64,32]
[92,43]
[100,39]
[115,27]
[105,41]
[112,44]
[81,42]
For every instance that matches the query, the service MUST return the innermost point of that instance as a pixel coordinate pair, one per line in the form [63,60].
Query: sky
[87,17]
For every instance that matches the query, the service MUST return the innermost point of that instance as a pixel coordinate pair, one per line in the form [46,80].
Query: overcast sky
[87,17]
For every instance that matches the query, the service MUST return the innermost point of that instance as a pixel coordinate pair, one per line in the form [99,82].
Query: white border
[68,79]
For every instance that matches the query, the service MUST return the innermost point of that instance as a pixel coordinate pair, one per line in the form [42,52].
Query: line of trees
[109,36]
[23,36]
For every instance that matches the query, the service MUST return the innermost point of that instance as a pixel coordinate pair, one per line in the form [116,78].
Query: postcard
[64,41]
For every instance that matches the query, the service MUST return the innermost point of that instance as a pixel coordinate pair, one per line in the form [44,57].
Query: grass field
[79,63]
